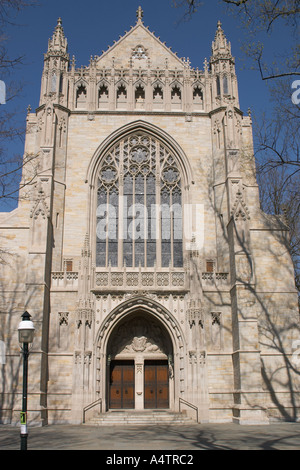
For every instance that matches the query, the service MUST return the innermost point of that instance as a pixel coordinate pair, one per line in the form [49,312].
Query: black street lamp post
[26,334]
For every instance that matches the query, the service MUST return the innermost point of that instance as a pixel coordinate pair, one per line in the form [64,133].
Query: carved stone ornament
[87,357]
[216,318]
[138,336]
[63,318]
[139,52]
[239,208]
[197,357]
[77,357]
[195,317]
[85,313]
[40,206]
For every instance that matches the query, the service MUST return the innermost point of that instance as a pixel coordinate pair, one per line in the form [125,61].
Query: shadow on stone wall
[272,311]
[12,306]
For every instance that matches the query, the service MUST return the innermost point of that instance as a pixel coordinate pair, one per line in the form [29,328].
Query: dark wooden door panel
[150,386]
[121,386]
[156,385]
[162,386]
[128,386]
[115,386]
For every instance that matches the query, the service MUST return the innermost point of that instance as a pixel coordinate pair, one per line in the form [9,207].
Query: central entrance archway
[140,373]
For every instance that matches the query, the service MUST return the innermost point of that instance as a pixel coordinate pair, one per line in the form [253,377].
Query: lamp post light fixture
[26,334]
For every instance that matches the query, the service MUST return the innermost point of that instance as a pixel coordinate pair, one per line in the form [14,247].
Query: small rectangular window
[210,266]
[69,265]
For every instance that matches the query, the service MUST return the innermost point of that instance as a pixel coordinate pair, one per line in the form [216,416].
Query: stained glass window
[139,206]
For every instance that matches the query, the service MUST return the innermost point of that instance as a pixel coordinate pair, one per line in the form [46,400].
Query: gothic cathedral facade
[138,246]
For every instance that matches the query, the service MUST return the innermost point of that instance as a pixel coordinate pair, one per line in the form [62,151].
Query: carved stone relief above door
[139,335]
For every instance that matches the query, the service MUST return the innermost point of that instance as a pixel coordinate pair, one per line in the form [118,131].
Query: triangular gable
[140,47]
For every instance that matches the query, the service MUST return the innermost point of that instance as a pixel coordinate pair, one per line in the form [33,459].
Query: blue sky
[91,26]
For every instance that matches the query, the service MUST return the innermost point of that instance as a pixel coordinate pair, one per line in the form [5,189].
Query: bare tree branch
[237,3]
[259,16]
[10,130]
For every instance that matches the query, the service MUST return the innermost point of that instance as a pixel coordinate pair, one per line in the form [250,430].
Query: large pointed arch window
[139,205]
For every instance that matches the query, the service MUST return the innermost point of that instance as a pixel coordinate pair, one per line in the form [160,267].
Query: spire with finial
[58,42]
[56,63]
[139,15]
[222,67]
[220,44]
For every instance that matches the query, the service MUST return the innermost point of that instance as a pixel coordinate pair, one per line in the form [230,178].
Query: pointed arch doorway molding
[140,357]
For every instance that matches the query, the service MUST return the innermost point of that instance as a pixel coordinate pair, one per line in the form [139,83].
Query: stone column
[139,383]
[248,406]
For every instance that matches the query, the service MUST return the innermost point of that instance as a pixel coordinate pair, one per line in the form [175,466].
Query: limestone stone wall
[229,314]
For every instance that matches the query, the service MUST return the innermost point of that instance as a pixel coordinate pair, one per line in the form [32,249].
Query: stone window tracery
[139,207]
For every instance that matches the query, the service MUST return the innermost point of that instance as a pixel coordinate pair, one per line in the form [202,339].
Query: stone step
[115,418]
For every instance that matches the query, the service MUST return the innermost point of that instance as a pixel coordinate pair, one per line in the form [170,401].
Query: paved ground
[283,436]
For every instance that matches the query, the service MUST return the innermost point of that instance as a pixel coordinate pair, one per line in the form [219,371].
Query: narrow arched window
[121,93]
[176,102]
[139,93]
[198,97]
[158,95]
[81,97]
[121,96]
[176,95]
[139,96]
[139,206]
[102,96]
[61,83]
[225,85]
[53,82]
[218,86]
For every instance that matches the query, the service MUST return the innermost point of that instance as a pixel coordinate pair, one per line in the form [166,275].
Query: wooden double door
[122,385]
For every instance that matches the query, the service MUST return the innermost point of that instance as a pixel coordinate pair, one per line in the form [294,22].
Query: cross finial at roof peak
[139,14]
